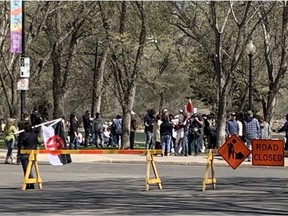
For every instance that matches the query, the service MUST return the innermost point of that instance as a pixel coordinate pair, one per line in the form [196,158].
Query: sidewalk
[139,159]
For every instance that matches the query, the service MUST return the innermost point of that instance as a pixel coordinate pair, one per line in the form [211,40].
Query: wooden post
[210,164]
[32,162]
[156,180]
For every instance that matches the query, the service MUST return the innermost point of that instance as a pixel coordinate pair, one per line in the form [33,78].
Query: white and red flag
[54,139]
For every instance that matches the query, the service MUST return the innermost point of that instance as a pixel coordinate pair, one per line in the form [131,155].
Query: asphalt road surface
[118,189]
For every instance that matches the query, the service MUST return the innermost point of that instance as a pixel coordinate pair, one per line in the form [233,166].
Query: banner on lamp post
[16,26]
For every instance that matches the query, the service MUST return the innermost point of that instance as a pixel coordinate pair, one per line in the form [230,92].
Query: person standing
[148,123]
[251,130]
[87,124]
[195,123]
[27,141]
[9,139]
[284,128]
[117,130]
[97,128]
[166,134]
[133,128]
[21,126]
[179,129]
[36,119]
[156,132]
[185,148]
[232,126]
[205,130]
[73,131]
[265,130]
[239,119]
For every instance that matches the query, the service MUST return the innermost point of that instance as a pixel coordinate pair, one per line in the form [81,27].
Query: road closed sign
[267,152]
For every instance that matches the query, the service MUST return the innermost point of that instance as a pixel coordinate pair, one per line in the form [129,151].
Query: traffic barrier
[209,165]
[150,162]
[32,163]
[37,179]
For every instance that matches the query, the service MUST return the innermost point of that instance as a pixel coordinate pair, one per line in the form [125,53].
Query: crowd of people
[191,133]
[97,132]
[247,127]
[187,133]
[183,134]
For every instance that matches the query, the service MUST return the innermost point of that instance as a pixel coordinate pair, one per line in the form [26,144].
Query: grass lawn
[139,142]
[137,145]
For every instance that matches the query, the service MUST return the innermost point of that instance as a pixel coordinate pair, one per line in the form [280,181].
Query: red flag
[189,106]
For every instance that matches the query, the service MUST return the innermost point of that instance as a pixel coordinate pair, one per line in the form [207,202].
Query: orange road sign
[267,152]
[234,151]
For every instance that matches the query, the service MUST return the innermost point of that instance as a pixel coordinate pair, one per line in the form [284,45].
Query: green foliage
[174,65]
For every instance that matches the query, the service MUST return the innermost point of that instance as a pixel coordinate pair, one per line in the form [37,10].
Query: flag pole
[55,121]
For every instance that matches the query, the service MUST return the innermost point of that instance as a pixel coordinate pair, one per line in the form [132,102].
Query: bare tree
[224,54]
[62,61]
[10,61]
[125,60]
[276,66]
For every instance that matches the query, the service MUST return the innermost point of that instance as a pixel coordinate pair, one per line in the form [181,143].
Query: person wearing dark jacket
[28,141]
[232,126]
[73,131]
[133,129]
[21,126]
[36,119]
[284,128]
[87,123]
[148,123]
[166,134]
[97,128]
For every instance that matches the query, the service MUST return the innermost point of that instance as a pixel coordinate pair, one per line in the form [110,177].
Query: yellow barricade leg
[210,164]
[32,162]
[156,180]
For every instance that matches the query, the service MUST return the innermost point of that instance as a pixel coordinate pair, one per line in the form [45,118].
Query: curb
[176,163]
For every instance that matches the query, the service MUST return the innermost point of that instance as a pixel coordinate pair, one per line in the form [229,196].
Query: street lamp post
[251,50]
[23,92]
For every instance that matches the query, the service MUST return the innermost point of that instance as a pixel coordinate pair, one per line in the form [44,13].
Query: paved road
[118,189]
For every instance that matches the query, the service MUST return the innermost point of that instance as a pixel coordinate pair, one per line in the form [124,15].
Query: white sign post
[25,67]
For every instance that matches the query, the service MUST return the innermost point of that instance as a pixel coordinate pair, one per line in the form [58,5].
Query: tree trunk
[125,72]
[275,81]
[221,117]
[98,102]
[127,108]
[126,128]
[270,110]
[161,103]
[100,77]
[58,91]
[95,71]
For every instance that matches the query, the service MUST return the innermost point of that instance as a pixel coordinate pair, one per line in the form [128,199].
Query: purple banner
[16,26]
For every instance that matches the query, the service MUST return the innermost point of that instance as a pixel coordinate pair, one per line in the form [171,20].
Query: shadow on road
[264,196]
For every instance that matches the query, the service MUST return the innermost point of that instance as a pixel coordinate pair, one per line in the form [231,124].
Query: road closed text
[268,152]
[268,157]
